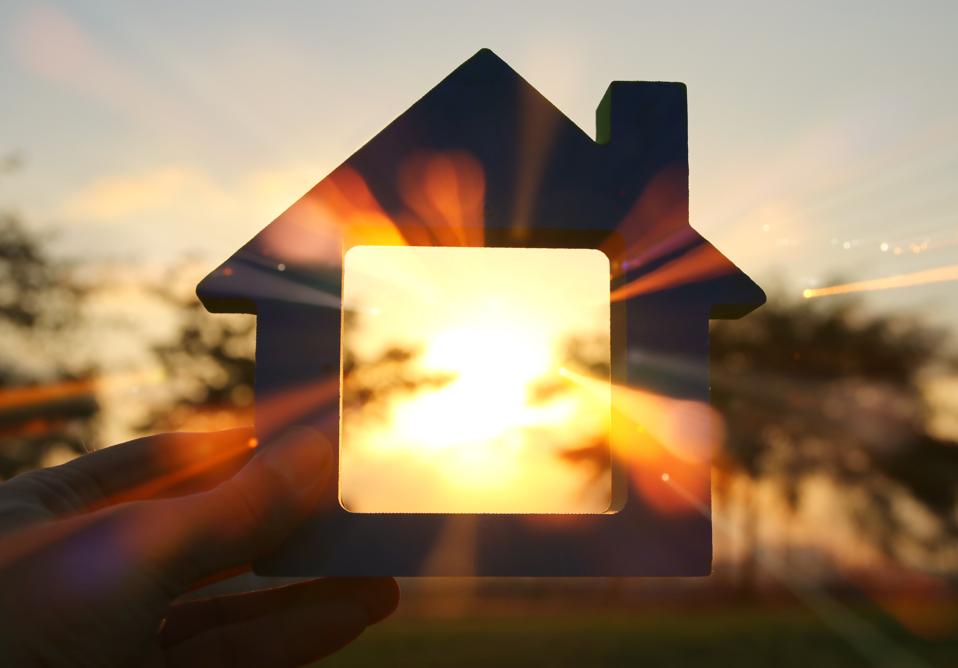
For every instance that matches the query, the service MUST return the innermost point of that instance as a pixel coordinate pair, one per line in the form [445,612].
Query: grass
[755,637]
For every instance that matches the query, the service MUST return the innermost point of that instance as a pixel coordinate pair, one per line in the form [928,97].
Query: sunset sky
[817,133]
[823,150]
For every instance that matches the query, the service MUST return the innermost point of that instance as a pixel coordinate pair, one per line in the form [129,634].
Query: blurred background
[140,145]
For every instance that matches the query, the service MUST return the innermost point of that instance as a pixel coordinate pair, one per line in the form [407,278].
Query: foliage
[371,385]
[48,404]
[207,365]
[824,388]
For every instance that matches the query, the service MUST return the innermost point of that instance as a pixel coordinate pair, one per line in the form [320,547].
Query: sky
[819,134]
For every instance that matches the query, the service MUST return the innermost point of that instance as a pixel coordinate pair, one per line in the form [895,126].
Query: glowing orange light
[445,193]
[698,264]
[504,432]
[657,222]
[24,396]
[937,275]
[156,486]
[17,397]
[338,213]
[664,443]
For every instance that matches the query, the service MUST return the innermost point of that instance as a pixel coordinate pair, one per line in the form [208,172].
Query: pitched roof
[484,158]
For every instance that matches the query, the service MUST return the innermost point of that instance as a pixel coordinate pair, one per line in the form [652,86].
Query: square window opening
[475,380]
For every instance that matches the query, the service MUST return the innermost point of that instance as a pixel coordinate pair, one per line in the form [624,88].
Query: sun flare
[493,432]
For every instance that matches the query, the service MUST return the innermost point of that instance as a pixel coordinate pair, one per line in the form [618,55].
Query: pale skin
[95,555]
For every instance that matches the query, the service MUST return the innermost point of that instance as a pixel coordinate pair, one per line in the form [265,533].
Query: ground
[727,637]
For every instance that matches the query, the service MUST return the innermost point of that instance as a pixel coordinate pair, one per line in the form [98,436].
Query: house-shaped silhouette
[545,184]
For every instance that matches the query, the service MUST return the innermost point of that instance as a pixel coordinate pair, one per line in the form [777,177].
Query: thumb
[249,514]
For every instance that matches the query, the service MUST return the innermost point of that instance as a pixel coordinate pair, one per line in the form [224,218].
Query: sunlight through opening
[455,394]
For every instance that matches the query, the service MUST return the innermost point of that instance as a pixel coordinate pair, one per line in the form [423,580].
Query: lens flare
[18,397]
[928,276]
[700,263]
[499,434]
[665,444]
[445,193]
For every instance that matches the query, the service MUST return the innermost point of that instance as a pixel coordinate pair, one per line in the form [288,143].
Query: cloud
[159,190]
[178,208]
[189,190]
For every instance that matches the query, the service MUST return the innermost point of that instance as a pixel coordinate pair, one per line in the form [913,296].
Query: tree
[48,400]
[207,364]
[825,388]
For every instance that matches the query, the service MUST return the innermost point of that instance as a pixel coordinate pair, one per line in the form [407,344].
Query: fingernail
[303,458]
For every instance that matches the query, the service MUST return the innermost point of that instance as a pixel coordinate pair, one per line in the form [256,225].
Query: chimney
[645,127]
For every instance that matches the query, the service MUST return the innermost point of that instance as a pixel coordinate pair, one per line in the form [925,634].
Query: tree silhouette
[48,399]
[207,364]
[209,367]
[370,386]
[825,388]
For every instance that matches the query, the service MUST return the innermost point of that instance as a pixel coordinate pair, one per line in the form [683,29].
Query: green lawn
[776,638]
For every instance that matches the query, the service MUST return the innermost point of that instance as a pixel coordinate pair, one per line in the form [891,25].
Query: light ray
[698,264]
[661,439]
[864,637]
[18,397]
[275,412]
[445,193]
[928,276]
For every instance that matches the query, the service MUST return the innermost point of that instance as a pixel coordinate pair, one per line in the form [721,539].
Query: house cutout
[484,160]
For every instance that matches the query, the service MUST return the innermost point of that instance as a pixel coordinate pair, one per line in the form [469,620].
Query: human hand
[94,553]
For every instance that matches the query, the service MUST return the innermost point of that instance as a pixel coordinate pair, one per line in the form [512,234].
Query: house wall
[298,349]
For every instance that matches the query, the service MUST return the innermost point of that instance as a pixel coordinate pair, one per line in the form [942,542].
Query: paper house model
[545,184]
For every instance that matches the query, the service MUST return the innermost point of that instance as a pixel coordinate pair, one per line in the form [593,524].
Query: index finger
[152,551]
[190,538]
[157,466]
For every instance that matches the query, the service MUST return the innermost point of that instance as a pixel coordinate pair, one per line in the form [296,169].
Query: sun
[497,324]
[493,365]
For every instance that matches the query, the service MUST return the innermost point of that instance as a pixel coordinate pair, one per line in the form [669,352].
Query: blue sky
[817,133]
